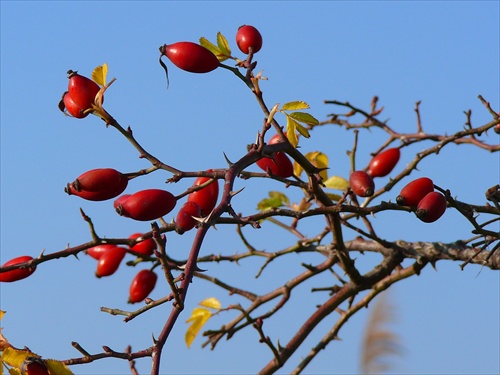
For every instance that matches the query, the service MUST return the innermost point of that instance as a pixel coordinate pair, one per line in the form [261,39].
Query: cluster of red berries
[419,194]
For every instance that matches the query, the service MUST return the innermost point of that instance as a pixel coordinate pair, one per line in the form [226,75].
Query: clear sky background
[442,53]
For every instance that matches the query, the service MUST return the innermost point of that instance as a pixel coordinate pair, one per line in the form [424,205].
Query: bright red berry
[99,179]
[190,57]
[18,273]
[109,261]
[145,247]
[205,198]
[431,207]
[142,284]
[248,37]
[71,107]
[382,164]
[97,251]
[145,205]
[496,129]
[361,184]
[184,220]
[279,164]
[82,90]
[414,191]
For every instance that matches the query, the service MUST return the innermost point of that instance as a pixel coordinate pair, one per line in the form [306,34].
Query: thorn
[155,341]
[233,193]
[229,162]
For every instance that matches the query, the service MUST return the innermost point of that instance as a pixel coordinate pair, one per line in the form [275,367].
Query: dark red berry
[71,107]
[34,366]
[190,57]
[431,207]
[205,198]
[382,164]
[145,205]
[361,184]
[142,284]
[109,261]
[82,90]
[18,273]
[184,220]
[145,247]
[248,37]
[97,251]
[414,191]
[279,164]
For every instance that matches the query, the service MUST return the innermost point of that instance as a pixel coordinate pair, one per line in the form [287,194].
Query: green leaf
[303,131]
[276,199]
[304,117]
[294,106]
[198,318]
[223,44]
[337,183]
[291,127]
[211,303]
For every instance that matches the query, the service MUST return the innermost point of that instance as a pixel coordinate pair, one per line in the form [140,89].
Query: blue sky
[442,53]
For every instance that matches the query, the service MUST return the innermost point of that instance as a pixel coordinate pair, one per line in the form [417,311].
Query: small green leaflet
[222,50]
[276,199]
[223,44]
[337,183]
[306,118]
[294,106]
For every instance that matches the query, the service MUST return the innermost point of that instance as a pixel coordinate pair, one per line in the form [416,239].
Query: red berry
[361,184]
[110,261]
[248,36]
[145,247]
[82,90]
[205,198]
[184,220]
[382,164]
[279,164]
[102,195]
[34,366]
[431,207]
[97,251]
[142,284]
[19,273]
[71,107]
[145,205]
[496,129]
[190,57]
[414,191]
[99,179]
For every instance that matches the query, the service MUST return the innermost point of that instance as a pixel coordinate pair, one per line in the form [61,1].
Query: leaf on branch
[99,74]
[337,183]
[304,117]
[320,161]
[198,318]
[334,197]
[211,303]
[15,357]
[291,127]
[216,50]
[294,106]
[223,44]
[2,313]
[276,199]
[57,367]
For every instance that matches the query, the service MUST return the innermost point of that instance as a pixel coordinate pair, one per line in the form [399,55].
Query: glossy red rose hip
[205,198]
[431,207]
[414,191]
[71,107]
[145,247]
[145,205]
[279,164]
[82,90]
[248,37]
[190,57]
[19,273]
[382,164]
[97,251]
[361,184]
[109,261]
[142,284]
[184,220]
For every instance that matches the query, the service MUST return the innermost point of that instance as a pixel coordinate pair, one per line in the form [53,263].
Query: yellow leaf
[337,183]
[297,169]
[211,303]
[15,357]
[223,44]
[2,313]
[334,197]
[306,118]
[319,160]
[294,106]
[204,42]
[57,367]
[99,74]
[14,371]
[291,127]
[198,317]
